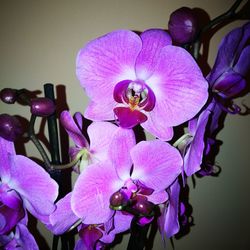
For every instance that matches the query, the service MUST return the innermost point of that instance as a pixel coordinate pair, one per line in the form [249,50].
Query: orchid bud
[10,127]
[118,200]
[8,95]
[42,106]
[183,25]
[142,205]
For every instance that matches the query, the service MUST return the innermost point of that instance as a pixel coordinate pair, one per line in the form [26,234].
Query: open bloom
[227,77]
[100,135]
[23,185]
[91,236]
[156,164]
[141,80]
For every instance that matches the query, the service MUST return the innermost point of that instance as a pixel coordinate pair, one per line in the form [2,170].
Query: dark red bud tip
[8,95]
[142,205]
[42,106]
[10,127]
[183,25]
[118,200]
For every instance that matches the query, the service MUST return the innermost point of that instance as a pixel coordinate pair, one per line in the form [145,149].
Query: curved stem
[230,14]
[80,154]
[33,138]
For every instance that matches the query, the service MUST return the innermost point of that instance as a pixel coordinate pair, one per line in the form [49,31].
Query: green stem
[33,138]
[80,154]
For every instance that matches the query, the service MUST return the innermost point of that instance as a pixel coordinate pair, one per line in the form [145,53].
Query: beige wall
[39,42]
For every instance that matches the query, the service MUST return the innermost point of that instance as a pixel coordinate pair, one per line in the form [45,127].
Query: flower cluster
[133,81]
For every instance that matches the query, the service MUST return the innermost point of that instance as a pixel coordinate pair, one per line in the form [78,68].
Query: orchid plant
[149,81]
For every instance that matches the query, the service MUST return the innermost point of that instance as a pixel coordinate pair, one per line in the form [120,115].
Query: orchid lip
[134,94]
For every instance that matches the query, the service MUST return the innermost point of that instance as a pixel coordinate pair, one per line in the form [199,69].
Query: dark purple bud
[8,95]
[42,106]
[10,127]
[183,25]
[118,200]
[142,205]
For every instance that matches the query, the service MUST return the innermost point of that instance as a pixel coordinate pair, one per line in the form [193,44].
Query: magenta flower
[156,164]
[23,185]
[194,144]
[141,80]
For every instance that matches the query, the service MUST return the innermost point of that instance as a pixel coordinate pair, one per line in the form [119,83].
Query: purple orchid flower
[100,135]
[192,144]
[23,185]
[169,220]
[141,80]
[156,164]
[91,236]
[232,64]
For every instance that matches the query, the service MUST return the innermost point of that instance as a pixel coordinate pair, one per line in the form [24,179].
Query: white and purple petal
[36,188]
[153,40]
[92,191]
[106,61]
[178,85]
[119,148]
[156,164]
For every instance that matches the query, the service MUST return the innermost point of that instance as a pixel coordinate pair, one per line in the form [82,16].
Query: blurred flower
[183,25]
[141,80]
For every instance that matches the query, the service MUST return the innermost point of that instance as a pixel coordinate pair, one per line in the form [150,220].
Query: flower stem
[33,138]
[230,14]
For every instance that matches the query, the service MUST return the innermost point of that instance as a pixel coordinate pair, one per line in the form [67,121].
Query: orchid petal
[122,221]
[9,218]
[100,111]
[100,135]
[128,118]
[153,40]
[156,164]
[155,125]
[171,224]
[63,217]
[178,85]
[92,191]
[158,197]
[193,157]
[89,237]
[6,150]
[230,84]
[24,239]
[106,61]
[73,130]
[34,185]
[119,91]
[243,65]
[120,146]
